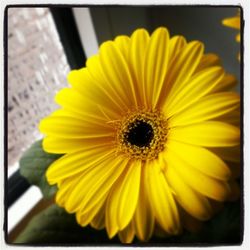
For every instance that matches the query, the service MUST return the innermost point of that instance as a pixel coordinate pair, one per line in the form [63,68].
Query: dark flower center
[140,134]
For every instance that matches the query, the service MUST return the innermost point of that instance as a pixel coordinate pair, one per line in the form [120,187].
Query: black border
[5,39]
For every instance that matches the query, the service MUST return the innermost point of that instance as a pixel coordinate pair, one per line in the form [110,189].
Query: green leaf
[54,225]
[33,166]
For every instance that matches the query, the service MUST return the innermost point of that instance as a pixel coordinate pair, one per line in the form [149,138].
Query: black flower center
[140,133]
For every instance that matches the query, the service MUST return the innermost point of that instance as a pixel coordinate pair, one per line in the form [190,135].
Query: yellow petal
[208,60]
[180,71]
[232,118]
[98,222]
[139,43]
[77,162]
[208,107]
[160,232]
[201,159]
[122,201]
[235,169]
[65,127]
[96,181]
[65,188]
[156,65]
[143,218]
[207,134]
[123,44]
[57,145]
[227,83]
[83,83]
[198,86]
[231,154]
[194,203]
[161,199]
[117,73]
[72,101]
[129,193]
[115,92]
[103,184]
[112,209]
[190,223]
[208,186]
[232,22]
[127,234]
[238,38]
[85,120]
[176,43]
[94,216]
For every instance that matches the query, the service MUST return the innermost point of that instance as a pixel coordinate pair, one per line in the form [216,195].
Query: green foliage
[33,166]
[55,226]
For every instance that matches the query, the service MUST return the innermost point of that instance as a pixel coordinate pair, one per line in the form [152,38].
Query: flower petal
[208,60]
[129,193]
[194,203]
[113,90]
[143,218]
[201,159]
[123,44]
[156,65]
[232,22]
[102,185]
[57,145]
[98,222]
[161,199]
[190,223]
[198,86]
[232,118]
[123,198]
[176,43]
[112,209]
[70,127]
[238,38]
[180,71]
[139,43]
[227,83]
[94,216]
[208,186]
[207,134]
[96,181]
[235,168]
[127,234]
[208,107]
[73,101]
[65,188]
[231,154]
[77,162]
[83,83]
[117,73]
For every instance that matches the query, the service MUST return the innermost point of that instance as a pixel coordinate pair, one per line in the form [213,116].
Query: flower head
[233,22]
[149,132]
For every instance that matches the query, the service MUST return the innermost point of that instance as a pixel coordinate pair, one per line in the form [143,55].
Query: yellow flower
[233,22]
[150,136]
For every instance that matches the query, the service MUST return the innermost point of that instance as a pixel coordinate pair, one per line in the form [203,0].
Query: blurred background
[44,44]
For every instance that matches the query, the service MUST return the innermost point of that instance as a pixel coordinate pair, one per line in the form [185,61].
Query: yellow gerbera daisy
[233,22]
[148,129]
